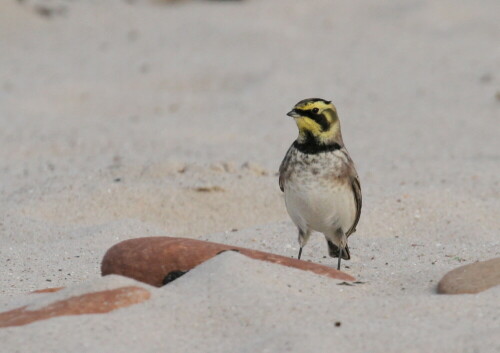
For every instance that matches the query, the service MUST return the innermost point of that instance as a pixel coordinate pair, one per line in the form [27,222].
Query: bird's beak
[292,113]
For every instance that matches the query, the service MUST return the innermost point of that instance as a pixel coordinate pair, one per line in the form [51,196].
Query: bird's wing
[356,189]
[284,168]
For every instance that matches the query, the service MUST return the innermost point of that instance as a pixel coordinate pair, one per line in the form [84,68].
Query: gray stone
[472,278]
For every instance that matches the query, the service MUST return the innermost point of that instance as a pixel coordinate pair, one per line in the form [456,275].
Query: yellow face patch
[307,124]
[325,127]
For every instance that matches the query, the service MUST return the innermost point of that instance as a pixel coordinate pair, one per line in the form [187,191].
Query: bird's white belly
[320,208]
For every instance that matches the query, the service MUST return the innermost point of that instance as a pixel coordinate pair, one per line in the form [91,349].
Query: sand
[124,119]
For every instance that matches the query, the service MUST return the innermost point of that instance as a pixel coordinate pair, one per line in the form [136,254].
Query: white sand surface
[264,307]
[123,119]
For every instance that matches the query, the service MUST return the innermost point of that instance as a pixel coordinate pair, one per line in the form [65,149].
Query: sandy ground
[122,119]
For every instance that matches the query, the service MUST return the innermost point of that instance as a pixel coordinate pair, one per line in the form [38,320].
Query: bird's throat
[313,140]
[310,144]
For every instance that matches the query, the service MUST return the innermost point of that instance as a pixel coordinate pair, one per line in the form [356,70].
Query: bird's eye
[315,110]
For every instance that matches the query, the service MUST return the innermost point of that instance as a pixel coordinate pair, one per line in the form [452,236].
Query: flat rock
[153,259]
[66,302]
[472,278]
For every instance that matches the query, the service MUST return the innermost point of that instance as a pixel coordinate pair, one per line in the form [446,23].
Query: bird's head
[317,121]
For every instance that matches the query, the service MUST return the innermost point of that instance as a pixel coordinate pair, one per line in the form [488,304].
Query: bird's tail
[334,251]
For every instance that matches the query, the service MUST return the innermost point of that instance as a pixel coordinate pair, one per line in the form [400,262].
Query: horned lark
[317,175]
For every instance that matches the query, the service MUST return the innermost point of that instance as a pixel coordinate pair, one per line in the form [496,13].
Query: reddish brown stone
[472,278]
[150,259]
[47,290]
[90,303]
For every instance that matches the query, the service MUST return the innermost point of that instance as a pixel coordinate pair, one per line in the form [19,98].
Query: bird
[321,187]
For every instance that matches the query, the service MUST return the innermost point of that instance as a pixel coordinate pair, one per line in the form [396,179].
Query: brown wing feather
[283,168]
[356,189]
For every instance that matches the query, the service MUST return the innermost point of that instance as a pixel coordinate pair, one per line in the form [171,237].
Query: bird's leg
[342,241]
[303,238]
